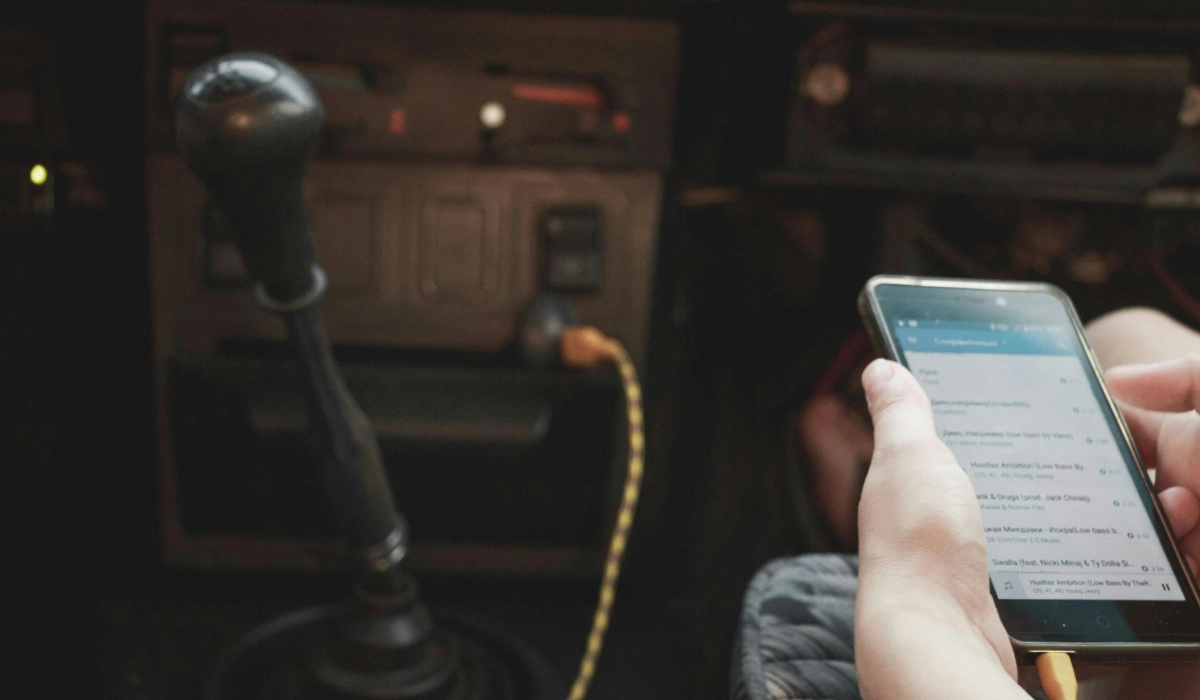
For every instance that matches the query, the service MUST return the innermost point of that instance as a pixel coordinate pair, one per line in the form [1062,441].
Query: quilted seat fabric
[796,634]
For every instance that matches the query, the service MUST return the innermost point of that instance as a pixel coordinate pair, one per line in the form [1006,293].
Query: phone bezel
[1026,643]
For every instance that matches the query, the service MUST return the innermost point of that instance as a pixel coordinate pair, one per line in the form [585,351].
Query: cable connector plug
[1058,675]
[585,347]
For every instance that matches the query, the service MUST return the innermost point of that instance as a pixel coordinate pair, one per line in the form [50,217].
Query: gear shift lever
[247,124]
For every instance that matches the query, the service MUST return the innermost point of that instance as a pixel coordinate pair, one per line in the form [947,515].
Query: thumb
[899,408]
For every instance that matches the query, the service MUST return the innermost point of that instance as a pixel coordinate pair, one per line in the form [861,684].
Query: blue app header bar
[983,338]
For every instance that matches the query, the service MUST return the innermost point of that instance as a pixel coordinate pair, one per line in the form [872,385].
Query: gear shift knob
[247,123]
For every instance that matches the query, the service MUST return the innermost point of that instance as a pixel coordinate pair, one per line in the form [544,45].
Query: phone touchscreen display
[1017,403]
[1061,511]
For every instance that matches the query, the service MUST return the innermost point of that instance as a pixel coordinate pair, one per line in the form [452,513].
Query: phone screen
[1062,514]
[1066,514]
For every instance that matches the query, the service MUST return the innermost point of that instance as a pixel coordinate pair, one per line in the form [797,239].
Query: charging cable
[587,347]
[1058,675]
[584,347]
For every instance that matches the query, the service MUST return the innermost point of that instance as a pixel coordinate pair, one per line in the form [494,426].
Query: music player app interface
[1061,512]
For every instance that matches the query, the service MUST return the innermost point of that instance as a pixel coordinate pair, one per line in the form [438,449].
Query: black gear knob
[247,123]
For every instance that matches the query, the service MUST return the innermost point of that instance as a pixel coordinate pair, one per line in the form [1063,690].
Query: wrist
[929,648]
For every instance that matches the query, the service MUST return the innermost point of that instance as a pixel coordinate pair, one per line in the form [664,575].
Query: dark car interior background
[708,182]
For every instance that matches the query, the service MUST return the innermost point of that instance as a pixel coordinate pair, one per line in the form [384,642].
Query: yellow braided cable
[620,535]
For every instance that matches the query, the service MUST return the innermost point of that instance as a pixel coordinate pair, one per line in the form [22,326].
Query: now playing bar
[1011,584]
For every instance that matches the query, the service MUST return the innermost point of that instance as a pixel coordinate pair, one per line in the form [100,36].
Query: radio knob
[827,84]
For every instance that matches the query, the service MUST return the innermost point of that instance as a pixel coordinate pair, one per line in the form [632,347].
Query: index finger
[1145,427]
[1172,386]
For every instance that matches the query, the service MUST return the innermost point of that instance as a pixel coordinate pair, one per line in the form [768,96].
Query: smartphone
[1080,556]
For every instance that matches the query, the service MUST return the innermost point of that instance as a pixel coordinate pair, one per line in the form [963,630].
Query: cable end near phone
[1058,675]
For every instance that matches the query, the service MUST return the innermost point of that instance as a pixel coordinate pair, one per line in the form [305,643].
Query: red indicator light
[574,97]
[397,121]
[621,122]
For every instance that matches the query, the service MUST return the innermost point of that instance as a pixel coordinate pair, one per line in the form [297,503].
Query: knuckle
[953,529]
[888,401]
[1142,314]
[913,449]
[1191,363]
[898,401]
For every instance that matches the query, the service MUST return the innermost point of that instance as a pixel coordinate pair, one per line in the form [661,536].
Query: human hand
[1159,402]
[925,622]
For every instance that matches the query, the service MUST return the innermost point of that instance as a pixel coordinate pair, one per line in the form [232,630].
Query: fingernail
[878,372]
